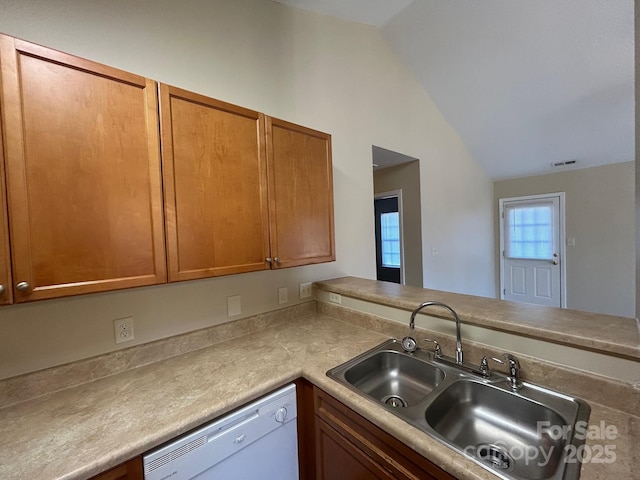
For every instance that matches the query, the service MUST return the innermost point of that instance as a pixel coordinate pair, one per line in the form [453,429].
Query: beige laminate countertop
[608,334]
[78,432]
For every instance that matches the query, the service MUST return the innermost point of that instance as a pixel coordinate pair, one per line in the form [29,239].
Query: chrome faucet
[484,365]
[514,371]
[412,323]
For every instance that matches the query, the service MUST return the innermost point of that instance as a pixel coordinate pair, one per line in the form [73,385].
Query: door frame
[398,194]
[561,234]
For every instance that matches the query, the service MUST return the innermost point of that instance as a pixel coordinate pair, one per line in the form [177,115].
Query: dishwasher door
[259,441]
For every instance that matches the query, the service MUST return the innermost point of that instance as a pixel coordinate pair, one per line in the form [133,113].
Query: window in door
[390,233]
[529,231]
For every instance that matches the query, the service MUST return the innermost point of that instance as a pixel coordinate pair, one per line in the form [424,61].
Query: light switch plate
[283,295]
[234,306]
[305,290]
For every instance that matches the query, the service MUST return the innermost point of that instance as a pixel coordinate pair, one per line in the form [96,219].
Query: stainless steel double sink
[525,434]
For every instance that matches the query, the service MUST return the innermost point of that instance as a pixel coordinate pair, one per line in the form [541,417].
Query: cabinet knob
[23,287]
[268,259]
[277,260]
[2,289]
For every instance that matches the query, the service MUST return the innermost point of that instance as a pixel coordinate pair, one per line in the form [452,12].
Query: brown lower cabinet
[334,443]
[350,447]
[131,470]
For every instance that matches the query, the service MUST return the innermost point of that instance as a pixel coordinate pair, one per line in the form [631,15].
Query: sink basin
[516,435]
[393,378]
[500,428]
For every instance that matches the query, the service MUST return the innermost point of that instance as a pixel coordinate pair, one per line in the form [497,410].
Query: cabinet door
[131,470]
[213,158]
[338,458]
[6,290]
[366,444]
[300,194]
[83,174]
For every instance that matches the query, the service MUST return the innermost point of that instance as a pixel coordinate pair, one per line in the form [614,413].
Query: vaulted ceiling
[526,83]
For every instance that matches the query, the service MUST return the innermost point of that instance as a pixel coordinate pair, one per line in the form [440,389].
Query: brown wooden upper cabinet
[82,156]
[215,185]
[83,206]
[300,194]
[242,192]
[6,290]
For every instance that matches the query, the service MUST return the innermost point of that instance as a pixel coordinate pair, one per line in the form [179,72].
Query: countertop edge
[395,296]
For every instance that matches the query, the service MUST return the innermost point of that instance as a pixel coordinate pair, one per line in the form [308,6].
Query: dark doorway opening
[388,253]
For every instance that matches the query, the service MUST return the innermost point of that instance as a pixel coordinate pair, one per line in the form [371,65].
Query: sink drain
[394,401]
[495,456]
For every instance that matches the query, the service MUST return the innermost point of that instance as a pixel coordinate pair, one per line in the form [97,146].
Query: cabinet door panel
[300,194]
[131,470]
[83,173]
[375,444]
[215,186]
[338,458]
[6,287]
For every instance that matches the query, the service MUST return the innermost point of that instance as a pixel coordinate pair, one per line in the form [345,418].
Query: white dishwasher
[259,441]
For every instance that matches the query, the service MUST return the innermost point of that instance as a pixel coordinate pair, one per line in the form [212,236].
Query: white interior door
[531,239]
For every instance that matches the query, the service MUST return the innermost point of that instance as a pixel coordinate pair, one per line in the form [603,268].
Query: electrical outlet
[123,329]
[305,290]
[335,297]
[234,306]
[283,295]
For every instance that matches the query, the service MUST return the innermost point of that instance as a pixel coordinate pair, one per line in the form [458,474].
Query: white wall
[599,215]
[330,75]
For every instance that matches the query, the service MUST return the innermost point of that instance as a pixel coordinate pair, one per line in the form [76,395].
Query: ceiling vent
[563,164]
